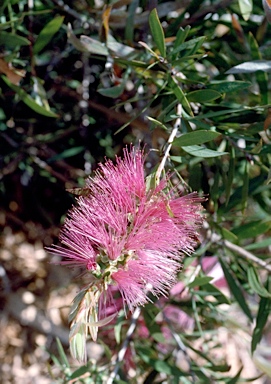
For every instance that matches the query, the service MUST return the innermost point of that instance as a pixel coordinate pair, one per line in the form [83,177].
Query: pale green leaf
[245,8]
[196,150]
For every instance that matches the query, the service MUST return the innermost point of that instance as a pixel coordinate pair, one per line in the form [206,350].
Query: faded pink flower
[127,235]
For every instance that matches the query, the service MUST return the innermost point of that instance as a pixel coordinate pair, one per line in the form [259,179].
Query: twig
[124,347]
[169,144]
[215,238]
[247,255]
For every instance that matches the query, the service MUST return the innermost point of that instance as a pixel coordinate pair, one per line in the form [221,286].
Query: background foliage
[79,81]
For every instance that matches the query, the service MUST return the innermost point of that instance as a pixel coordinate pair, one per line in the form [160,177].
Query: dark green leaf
[203,96]
[252,229]
[150,312]
[129,29]
[236,378]
[216,293]
[12,40]
[224,86]
[47,33]
[236,289]
[79,372]
[261,77]
[262,317]
[230,175]
[177,90]
[245,187]
[157,32]
[67,153]
[195,138]
[191,45]
[198,281]
[27,99]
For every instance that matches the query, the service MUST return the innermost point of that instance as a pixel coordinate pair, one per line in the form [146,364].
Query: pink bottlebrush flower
[127,236]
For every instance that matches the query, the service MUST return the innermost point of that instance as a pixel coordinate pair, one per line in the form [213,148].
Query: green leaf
[157,123]
[181,36]
[230,175]
[245,8]
[67,153]
[79,372]
[12,40]
[198,281]
[86,43]
[150,312]
[195,137]
[28,100]
[224,86]
[129,29]
[191,45]
[262,317]
[245,187]
[259,244]
[236,378]
[236,289]
[255,284]
[47,33]
[216,293]
[78,343]
[261,77]
[203,96]
[118,49]
[252,229]
[63,357]
[157,32]
[228,235]
[178,92]
[196,150]
[93,46]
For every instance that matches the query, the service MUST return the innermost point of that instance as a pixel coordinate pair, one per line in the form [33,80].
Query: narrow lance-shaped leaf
[223,86]
[203,96]
[255,284]
[262,78]
[157,32]
[196,150]
[62,354]
[195,138]
[47,33]
[245,187]
[230,174]
[262,317]
[28,100]
[236,289]
[177,90]
[251,67]
[12,40]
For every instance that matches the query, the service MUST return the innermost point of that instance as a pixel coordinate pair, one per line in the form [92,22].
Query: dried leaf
[14,75]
